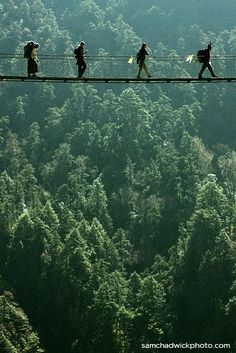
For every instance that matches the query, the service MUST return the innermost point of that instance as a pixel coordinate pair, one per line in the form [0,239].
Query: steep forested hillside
[117,202]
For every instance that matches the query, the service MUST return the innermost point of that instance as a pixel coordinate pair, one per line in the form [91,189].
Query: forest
[118,201]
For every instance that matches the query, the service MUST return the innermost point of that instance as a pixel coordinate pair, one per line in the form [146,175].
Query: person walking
[204,57]
[141,56]
[30,52]
[80,55]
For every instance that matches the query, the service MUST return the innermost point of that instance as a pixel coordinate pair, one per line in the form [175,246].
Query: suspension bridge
[116,69]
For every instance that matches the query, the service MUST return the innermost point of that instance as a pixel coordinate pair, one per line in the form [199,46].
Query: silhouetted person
[80,55]
[30,52]
[204,58]
[141,56]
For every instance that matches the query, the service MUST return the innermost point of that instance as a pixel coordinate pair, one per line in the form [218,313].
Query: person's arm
[34,54]
[209,46]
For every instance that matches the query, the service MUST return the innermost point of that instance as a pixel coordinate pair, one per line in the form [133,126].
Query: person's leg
[30,66]
[204,65]
[145,69]
[34,67]
[211,70]
[83,68]
[79,68]
[139,69]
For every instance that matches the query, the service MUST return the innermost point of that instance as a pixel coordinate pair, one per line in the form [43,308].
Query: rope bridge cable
[110,66]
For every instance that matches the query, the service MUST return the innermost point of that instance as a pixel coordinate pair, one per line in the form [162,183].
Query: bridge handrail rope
[118,57]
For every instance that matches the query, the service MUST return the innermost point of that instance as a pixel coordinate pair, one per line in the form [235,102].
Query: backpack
[28,49]
[201,54]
